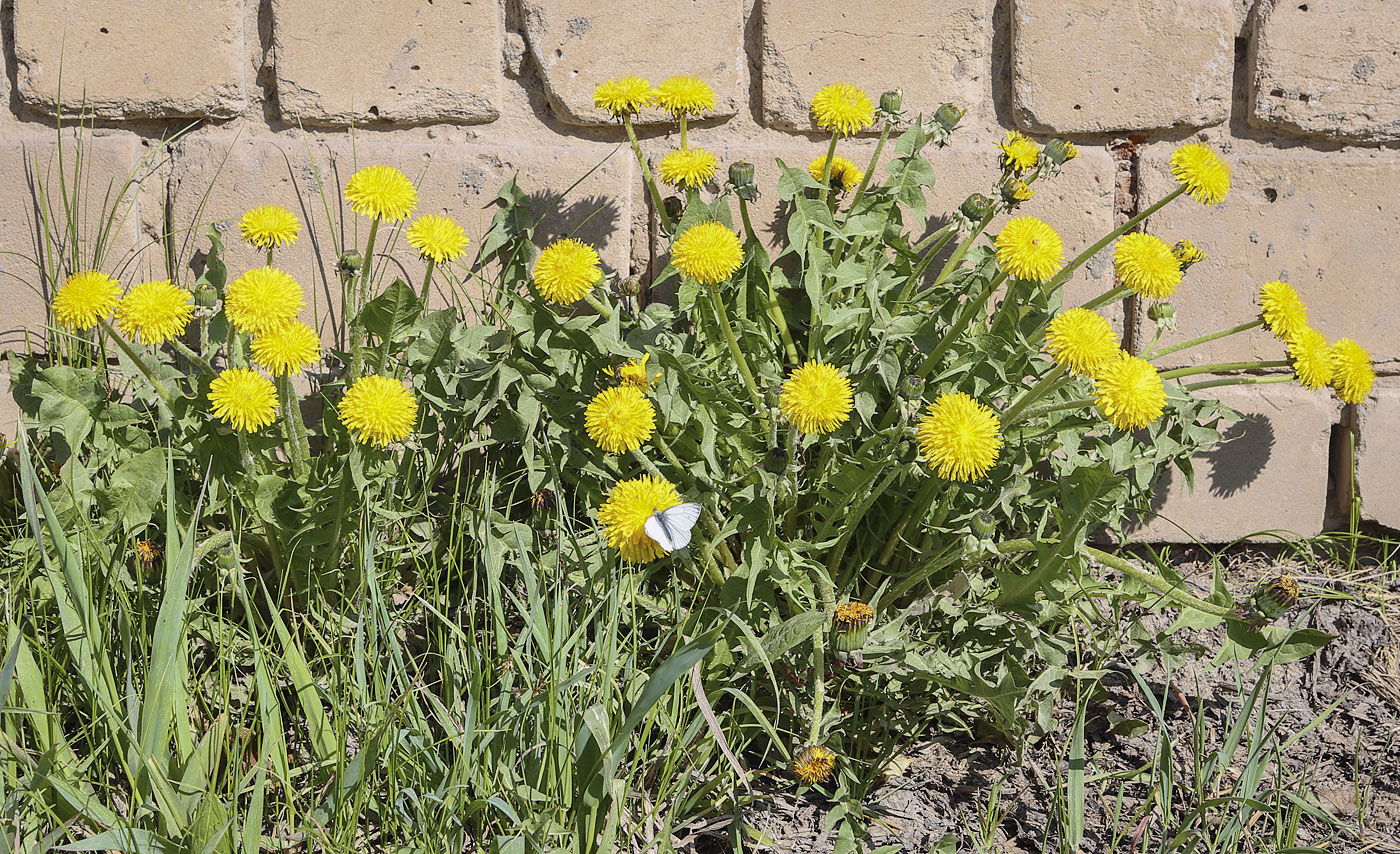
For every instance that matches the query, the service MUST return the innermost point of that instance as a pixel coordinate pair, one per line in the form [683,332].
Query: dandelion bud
[948,116]
[1058,151]
[851,624]
[1016,192]
[1163,314]
[205,296]
[913,385]
[350,263]
[976,206]
[629,287]
[891,105]
[1275,597]
[983,524]
[741,180]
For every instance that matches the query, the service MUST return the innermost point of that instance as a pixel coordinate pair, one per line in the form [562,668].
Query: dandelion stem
[774,306]
[939,239]
[737,355]
[1108,296]
[1222,367]
[646,173]
[428,280]
[958,254]
[1079,261]
[1039,390]
[1251,380]
[298,448]
[960,326]
[874,161]
[1204,339]
[826,166]
[184,350]
[598,305]
[920,509]
[140,365]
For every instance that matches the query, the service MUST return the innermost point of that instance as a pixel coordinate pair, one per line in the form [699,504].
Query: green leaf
[392,314]
[134,490]
[70,403]
[909,176]
[784,636]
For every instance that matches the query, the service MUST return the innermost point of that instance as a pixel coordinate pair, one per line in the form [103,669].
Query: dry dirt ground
[1347,764]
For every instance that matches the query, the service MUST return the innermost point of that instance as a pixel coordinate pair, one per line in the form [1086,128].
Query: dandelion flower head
[437,237]
[263,299]
[243,399]
[1018,152]
[619,419]
[378,410]
[1283,310]
[709,252]
[382,192]
[1081,341]
[813,764]
[84,299]
[842,108]
[1314,361]
[845,175]
[1354,375]
[567,270]
[623,96]
[816,398]
[1201,171]
[634,373]
[1129,393]
[1029,249]
[687,168]
[154,312]
[287,349]
[625,512]
[1146,265]
[684,95]
[960,438]
[269,226]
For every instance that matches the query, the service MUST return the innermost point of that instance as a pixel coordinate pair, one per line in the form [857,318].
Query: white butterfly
[671,527]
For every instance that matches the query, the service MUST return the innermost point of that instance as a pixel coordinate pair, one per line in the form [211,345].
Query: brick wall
[1302,97]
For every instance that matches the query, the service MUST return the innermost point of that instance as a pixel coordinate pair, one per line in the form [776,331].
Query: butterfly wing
[670,528]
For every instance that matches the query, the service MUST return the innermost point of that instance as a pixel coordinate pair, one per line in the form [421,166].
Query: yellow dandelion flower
[1081,341]
[623,96]
[1283,310]
[263,299]
[842,108]
[852,615]
[1129,393]
[378,410]
[619,419]
[1019,191]
[1314,361]
[845,175]
[269,226]
[437,237]
[1146,265]
[687,168]
[813,764]
[287,349]
[243,399]
[684,94]
[84,299]
[566,270]
[709,252]
[634,373]
[625,512]
[1354,375]
[382,192]
[154,312]
[959,437]
[816,398]
[1201,171]
[1029,249]
[1187,253]
[147,553]
[1018,152]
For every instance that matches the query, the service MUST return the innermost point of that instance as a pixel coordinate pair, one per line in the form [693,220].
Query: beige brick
[938,51]
[1270,476]
[132,58]
[1327,67]
[24,164]
[409,63]
[1315,222]
[581,43]
[1095,66]
[1377,464]
[454,180]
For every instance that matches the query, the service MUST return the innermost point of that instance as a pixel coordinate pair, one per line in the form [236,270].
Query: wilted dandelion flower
[1080,340]
[1129,393]
[687,168]
[619,419]
[623,96]
[1029,249]
[684,95]
[287,349]
[634,373]
[1276,596]
[437,237]
[1201,171]
[845,175]
[567,270]
[84,299]
[709,252]
[842,108]
[1314,361]
[816,398]
[1284,311]
[813,764]
[263,299]
[154,312]
[378,410]
[1354,375]
[147,553]
[243,399]
[1146,265]
[1018,152]
[959,437]
[625,512]
[382,192]
[269,226]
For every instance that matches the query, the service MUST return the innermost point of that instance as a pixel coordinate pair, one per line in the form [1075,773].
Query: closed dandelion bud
[983,525]
[948,116]
[742,181]
[1275,597]
[350,263]
[629,287]
[976,206]
[851,625]
[913,386]
[1163,314]
[205,296]
[892,104]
